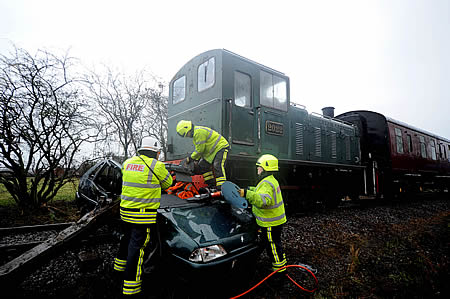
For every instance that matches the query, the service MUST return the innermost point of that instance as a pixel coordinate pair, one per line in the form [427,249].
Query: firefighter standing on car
[211,150]
[268,208]
[143,176]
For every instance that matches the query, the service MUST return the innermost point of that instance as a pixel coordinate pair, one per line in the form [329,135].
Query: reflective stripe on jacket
[141,189]
[267,202]
[207,143]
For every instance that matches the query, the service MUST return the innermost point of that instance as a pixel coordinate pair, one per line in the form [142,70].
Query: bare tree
[43,124]
[124,105]
[156,116]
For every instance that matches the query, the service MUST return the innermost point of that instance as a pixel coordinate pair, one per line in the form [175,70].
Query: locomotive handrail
[335,119]
[273,112]
[337,165]
[296,105]
[301,162]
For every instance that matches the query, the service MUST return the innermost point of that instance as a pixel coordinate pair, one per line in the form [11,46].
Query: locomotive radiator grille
[347,147]
[318,137]
[333,145]
[298,139]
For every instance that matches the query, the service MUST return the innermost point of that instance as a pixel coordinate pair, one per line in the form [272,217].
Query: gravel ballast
[391,250]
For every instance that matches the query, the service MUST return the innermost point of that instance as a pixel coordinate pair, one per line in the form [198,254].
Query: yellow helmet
[183,127]
[268,162]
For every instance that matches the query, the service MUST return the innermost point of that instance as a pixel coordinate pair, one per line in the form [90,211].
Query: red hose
[288,266]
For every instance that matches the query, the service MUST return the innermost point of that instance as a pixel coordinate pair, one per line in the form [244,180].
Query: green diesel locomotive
[249,104]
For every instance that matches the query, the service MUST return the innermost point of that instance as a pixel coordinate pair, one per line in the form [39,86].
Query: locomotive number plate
[274,128]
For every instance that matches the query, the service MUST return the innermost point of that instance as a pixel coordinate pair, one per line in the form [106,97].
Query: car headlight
[207,254]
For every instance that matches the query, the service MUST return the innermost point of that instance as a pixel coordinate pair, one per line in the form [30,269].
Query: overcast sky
[389,56]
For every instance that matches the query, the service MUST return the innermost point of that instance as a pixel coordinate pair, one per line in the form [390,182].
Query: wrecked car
[203,239]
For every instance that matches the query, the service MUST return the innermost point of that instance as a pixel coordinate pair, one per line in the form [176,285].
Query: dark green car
[205,242]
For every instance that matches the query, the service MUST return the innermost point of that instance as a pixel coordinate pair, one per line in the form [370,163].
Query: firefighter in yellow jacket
[211,150]
[268,208]
[143,176]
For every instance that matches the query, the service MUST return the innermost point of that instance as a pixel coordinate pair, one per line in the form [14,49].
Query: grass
[66,193]
[61,208]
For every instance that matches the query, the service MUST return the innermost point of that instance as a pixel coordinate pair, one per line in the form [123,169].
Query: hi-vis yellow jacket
[207,143]
[141,189]
[267,202]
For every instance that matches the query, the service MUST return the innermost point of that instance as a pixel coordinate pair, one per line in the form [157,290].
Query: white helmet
[150,144]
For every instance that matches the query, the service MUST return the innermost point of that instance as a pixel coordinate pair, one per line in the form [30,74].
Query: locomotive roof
[400,123]
[231,54]
[251,61]
[416,129]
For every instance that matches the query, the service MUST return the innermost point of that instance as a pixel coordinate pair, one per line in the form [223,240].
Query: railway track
[25,248]
[364,202]
[34,228]
[14,241]
[321,239]
[307,238]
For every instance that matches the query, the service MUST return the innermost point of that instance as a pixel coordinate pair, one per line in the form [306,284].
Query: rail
[32,228]
[12,271]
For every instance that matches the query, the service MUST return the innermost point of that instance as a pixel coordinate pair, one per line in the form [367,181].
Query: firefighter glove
[188,160]
[243,192]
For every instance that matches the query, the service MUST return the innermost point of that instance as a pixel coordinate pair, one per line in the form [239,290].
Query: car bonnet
[211,222]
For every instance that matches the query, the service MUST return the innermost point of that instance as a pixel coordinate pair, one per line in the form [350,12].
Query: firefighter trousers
[135,245]
[214,174]
[272,241]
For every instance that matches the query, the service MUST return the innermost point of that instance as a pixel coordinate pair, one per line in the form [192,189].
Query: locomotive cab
[227,93]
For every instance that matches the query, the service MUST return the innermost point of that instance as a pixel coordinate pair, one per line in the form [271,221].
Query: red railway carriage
[400,158]
[415,150]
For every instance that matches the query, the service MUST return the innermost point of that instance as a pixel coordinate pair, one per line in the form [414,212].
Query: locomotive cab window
[179,90]
[273,91]
[242,90]
[206,74]
[399,140]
